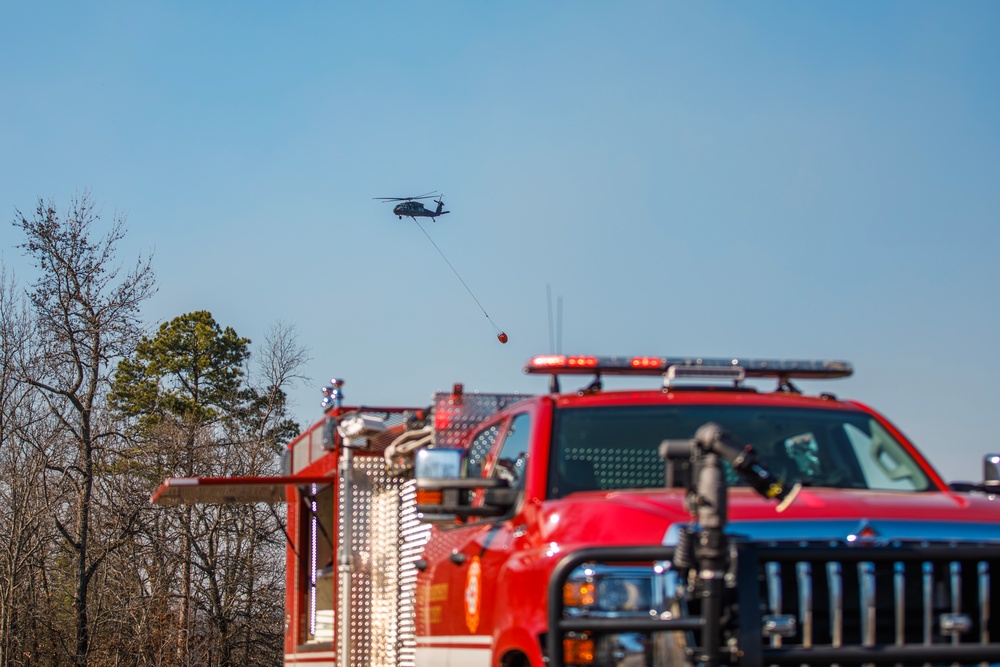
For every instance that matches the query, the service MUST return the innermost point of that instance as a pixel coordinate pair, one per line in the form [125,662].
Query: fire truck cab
[705,520]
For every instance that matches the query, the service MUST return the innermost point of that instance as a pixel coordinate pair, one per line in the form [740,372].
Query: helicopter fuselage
[412,209]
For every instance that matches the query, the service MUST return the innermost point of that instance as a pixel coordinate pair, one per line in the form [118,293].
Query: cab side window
[512,461]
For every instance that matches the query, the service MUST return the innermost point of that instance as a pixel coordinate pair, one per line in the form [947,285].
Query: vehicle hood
[651,517]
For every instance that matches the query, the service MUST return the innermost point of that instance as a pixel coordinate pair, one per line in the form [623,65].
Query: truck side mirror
[991,478]
[438,464]
[441,488]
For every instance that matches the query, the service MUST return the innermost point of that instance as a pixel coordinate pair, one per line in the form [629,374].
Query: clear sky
[766,179]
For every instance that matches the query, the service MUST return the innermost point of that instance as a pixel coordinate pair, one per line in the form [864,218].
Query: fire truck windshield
[617,447]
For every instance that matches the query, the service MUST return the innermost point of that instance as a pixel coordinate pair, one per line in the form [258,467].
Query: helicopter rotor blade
[427,195]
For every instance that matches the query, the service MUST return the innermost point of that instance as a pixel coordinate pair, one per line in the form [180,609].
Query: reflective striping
[454,657]
[481,641]
[457,650]
[311,658]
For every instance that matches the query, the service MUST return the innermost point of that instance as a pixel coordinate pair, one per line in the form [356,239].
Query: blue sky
[769,179]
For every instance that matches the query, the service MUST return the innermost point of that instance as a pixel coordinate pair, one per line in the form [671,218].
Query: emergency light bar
[558,364]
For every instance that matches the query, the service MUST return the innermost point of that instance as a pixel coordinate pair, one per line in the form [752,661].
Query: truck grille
[921,602]
[816,604]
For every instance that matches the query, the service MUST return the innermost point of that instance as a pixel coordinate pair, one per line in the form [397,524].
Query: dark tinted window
[618,447]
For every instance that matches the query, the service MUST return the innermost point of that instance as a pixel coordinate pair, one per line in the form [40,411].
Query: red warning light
[442,419]
[502,337]
[646,362]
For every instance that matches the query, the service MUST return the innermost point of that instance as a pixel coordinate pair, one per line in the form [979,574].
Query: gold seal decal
[473,594]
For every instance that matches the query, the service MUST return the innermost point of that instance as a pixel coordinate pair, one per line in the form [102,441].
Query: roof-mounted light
[699,372]
[646,363]
[581,364]
[557,364]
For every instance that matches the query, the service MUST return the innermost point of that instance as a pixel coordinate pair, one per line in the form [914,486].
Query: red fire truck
[719,517]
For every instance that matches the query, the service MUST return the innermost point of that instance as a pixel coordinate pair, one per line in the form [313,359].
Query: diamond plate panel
[455,415]
[388,540]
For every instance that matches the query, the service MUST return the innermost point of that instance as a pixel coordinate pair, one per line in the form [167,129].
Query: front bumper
[885,605]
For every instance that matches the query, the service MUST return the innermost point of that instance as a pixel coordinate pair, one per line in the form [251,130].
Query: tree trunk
[83,546]
[184,617]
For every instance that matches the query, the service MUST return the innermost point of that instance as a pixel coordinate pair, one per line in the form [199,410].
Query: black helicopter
[411,208]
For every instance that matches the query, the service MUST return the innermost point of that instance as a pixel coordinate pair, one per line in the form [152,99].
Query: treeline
[95,412]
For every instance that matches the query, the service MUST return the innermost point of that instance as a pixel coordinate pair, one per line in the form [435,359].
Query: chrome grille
[874,597]
[811,604]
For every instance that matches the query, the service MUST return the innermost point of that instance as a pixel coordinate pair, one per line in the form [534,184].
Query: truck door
[468,558]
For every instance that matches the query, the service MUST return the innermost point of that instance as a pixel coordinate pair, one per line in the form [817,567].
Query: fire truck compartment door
[229,490]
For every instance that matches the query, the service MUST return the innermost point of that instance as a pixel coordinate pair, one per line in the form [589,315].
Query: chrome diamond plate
[456,414]
[387,542]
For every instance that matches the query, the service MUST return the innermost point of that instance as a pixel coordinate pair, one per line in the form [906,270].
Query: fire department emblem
[473,594]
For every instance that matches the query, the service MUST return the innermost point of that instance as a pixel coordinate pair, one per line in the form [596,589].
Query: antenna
[559,324]
[555,339]
[548,297]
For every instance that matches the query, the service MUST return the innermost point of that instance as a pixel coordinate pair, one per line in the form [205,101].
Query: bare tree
[90,574]
[22,514]
[86,316]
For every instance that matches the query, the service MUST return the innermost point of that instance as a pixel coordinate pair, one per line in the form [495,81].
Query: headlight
[624,594]
[628,592]
[609,590]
